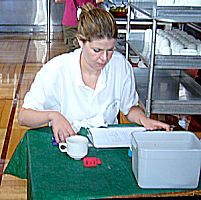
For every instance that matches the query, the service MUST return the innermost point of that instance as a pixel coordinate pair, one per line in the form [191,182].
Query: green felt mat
[51,173]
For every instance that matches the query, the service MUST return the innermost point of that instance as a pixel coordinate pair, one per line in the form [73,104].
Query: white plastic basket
[166,159]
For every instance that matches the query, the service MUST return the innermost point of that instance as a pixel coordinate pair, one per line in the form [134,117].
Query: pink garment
[70,12]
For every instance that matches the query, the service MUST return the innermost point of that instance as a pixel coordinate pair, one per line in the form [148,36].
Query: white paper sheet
[112,137]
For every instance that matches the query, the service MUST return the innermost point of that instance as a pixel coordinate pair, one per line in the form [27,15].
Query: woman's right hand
[60,126]
[35,118]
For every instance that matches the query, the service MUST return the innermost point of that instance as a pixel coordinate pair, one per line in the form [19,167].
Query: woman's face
[96,54]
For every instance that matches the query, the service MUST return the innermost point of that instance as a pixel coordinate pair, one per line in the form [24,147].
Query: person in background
[70,21]
[87,87]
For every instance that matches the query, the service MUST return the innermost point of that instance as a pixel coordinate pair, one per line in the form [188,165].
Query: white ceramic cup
[76,146]
[166,51]
[165,2]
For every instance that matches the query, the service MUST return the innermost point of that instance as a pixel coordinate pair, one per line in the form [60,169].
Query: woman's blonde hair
[96,23]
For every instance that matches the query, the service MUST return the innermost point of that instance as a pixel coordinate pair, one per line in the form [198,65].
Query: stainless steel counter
[30,15]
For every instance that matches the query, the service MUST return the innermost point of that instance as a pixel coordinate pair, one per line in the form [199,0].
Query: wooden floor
[21,56]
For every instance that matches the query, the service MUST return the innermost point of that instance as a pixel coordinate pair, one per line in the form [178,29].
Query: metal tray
[174,91]
[167,13]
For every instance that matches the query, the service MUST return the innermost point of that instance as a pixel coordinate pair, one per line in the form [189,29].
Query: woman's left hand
[137,115]
[151,124]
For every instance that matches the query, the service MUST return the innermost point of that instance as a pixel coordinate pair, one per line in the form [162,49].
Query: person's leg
[69,37]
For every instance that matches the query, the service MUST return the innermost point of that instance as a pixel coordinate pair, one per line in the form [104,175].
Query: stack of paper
[112,137]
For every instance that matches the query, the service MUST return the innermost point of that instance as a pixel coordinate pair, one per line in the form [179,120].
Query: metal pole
[128,30]
[48,20]
[151,70]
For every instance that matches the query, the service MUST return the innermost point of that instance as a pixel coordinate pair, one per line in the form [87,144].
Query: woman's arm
[137,115]
[99,1]
[60,125]
[60,1]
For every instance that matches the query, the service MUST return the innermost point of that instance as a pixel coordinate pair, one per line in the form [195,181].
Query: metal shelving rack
[163,87]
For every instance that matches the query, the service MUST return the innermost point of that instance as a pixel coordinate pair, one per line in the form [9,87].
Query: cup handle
[63,147]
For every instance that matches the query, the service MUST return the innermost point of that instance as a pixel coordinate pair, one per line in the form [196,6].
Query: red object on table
[91,161]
